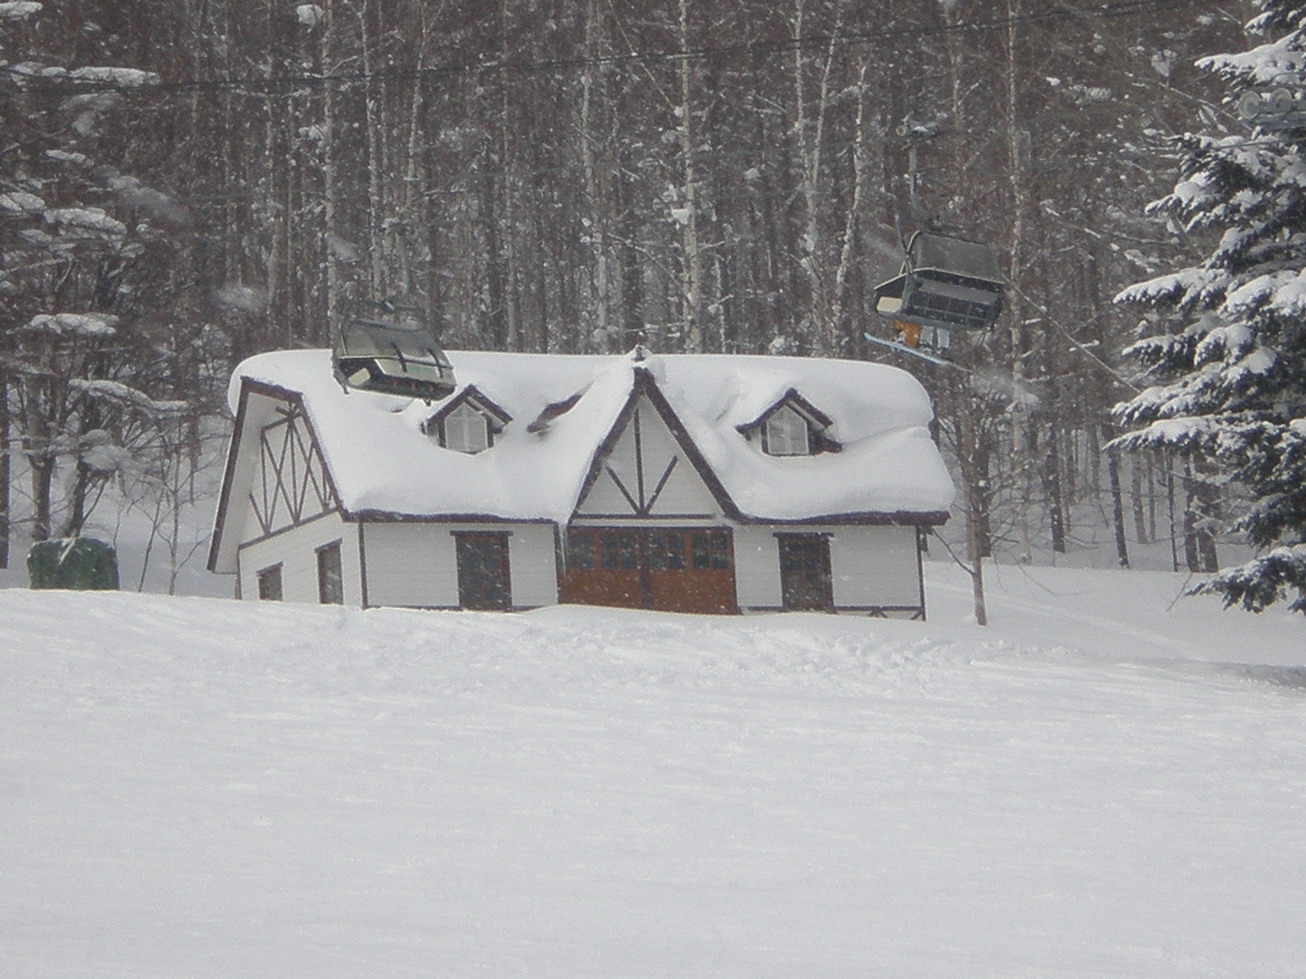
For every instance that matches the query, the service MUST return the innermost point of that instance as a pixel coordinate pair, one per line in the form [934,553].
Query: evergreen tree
[1229,366]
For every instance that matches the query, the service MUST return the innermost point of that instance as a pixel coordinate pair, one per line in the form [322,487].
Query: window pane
[269,584]
[580,550]
[666,551]
[465,430]
[330,579]
[701,551]
[608,551]
[627,551]
[786,433]
[720,545]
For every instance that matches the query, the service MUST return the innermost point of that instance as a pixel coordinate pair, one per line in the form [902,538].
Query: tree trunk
[691,261]
[1136,499]
[1117,508]
[1052,487]
[6,472]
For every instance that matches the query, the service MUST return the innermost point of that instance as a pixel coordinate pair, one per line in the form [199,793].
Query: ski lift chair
[946,284]
[389,348]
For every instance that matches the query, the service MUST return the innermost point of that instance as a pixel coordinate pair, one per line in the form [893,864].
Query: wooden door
[805,572]
[672,570]
[603,568]
[690,571]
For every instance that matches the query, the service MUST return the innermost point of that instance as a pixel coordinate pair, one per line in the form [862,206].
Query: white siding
[870,566]
[415,564]
[874,566]
[757,567]
[684,492]
[296,551]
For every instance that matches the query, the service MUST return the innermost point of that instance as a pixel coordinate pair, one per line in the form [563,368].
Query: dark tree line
[582,176]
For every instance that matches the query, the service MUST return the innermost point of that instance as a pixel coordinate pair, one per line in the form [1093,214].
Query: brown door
[690,571]
[671,570]
[603,568]
[805,572]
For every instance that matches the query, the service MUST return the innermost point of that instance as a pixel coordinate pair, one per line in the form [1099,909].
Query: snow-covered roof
[381,461]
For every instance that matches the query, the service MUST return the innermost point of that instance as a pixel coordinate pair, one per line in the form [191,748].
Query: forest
[183,184]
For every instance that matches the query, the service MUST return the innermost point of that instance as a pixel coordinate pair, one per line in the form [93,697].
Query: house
[694,483]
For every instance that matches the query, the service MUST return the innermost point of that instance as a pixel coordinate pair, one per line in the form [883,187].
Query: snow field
[204,788]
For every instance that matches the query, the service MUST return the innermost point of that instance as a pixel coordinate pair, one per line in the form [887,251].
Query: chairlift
[946,285]
[388,347]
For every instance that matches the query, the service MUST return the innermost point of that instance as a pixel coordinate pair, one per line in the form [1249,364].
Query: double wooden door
[670,570]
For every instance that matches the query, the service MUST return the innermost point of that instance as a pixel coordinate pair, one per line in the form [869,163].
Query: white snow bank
[206,788]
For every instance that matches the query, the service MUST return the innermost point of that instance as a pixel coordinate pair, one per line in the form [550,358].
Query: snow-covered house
[700,483]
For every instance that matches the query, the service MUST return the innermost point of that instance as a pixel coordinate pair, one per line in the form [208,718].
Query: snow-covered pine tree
[1228,364]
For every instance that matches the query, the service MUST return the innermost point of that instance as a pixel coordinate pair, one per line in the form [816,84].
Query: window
[711,550]
[618,550]
[580,550]
[269,584]
[483,581]
[786,434]
[466,429]
[330,577]
[666,551]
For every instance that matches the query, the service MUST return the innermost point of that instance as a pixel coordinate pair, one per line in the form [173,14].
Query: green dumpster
[78,563]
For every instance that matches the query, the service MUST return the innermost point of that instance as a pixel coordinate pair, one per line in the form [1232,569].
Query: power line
[267,85]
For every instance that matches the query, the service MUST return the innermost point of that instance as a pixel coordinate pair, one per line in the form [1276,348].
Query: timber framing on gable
[648,486]
[290,484]
[283,471]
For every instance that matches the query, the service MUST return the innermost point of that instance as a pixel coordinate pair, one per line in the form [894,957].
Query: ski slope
[1099,785]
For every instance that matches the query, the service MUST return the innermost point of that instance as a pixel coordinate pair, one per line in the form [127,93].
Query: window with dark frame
[330,575]
[269,584]
[786,433]
[466,429]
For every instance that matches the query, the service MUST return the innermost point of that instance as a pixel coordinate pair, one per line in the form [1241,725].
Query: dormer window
[466,430]
[792,426]
[468,423]
[786,434]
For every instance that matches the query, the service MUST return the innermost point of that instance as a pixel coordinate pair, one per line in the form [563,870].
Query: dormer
[469,423]
[793,426]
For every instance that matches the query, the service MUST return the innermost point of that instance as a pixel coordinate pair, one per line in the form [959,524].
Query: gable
[275,476]
[646,473]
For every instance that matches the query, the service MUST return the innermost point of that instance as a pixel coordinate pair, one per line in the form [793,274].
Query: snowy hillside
[1096,786]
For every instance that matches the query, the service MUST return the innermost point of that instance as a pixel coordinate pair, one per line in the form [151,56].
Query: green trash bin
[77,563]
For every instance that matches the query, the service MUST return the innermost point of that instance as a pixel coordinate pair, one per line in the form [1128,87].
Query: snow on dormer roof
[564,406]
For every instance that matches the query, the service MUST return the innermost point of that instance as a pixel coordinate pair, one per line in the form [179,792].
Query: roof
[566,406]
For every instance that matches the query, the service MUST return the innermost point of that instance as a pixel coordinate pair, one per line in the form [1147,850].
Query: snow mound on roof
[381,460]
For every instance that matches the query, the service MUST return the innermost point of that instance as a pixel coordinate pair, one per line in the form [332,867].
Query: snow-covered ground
[1098,785]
